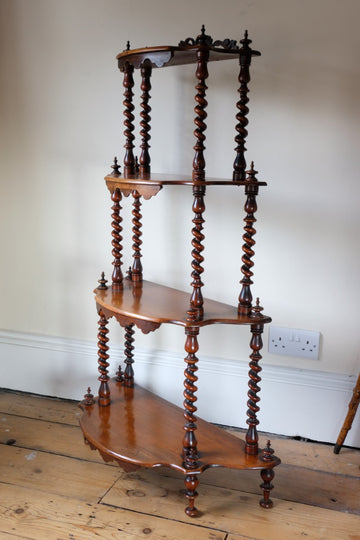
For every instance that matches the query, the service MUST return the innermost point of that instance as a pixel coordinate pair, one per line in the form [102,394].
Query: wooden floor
[52,486]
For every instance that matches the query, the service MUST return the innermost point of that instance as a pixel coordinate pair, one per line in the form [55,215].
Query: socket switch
[293,342]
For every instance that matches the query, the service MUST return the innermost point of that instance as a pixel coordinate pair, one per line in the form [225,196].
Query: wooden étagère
[125,422]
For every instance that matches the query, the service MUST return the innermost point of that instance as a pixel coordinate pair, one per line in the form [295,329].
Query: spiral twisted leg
[136,221]
[243,110]
[190,453]
[201,103]
[145,117]
[104,391]
[129,159]
[117,276]
[251,446]
[245,297]
[196,301]
[129,340]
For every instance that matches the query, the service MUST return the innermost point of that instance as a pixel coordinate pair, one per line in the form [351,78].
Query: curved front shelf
[149,184]
[157,304]
[141,429]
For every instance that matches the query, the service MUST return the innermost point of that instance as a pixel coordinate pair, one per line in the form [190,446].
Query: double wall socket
[292,342]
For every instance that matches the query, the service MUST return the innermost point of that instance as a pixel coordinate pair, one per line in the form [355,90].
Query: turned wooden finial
[267,453]
[115,166]
[119,376]
[102,282]
[245,41]
[203,39]
[128,45]
[257,309]
[88,398]
[251,174]
[129,273]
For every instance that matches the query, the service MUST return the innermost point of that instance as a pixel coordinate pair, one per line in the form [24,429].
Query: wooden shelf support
[202,55]
[251,446]
[129,159]
[117,276]
[190,451]
[245,54]
[146,70]
[104,390]
[129,356]
[251,191]
[137,270]
[197,301]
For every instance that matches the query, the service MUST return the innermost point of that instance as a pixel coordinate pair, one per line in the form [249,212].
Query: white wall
[61,125]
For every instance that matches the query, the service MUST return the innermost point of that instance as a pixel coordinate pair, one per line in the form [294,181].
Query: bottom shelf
[139,429]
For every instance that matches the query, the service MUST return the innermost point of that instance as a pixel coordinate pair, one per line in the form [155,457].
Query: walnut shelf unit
[125,422]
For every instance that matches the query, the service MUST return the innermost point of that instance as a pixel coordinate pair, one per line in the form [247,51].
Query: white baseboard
[294,402]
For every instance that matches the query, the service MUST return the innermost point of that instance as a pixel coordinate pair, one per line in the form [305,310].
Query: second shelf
[157,304]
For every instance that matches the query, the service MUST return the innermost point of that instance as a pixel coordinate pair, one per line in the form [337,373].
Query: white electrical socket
[293,342]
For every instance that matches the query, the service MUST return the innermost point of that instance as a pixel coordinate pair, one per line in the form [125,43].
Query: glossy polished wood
[168,179]
[156,303]
[129,431]
[149,184]
[126,423]
[185,53]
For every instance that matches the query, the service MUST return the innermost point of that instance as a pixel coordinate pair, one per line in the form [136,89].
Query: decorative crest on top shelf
[227,44]
[204,39]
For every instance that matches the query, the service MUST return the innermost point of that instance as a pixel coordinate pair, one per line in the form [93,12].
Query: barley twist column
[129,159]
[251,445]
[201,75]
[145,117]
[104,391]
[251,191]
[241,117]
[117,276]
[129,340]
[197,301]
[136,221]
[190,453]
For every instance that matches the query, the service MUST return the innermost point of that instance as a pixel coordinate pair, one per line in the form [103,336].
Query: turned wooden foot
[191,483]
[267,475]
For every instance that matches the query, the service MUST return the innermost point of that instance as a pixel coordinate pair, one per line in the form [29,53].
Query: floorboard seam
[166,518]
[76,426]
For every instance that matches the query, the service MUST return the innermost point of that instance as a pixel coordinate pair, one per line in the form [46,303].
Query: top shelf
[186,52]
[165,179]
[149,184]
